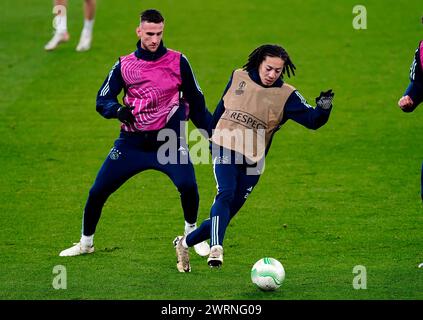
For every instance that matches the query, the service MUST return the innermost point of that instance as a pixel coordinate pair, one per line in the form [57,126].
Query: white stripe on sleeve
[106,88]
[195,79]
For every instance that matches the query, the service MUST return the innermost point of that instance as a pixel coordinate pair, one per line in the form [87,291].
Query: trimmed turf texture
[329,200]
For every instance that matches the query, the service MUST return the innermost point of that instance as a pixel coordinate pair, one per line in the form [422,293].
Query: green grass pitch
[329,200]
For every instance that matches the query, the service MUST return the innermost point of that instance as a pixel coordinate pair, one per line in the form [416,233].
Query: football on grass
[268,274]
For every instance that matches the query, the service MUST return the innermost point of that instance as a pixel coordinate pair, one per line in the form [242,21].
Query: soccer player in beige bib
[255,104]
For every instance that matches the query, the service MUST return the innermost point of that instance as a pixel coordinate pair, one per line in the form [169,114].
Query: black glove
[324,101]
[124,114]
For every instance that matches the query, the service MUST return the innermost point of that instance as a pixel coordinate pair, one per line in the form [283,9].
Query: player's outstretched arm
[300,111]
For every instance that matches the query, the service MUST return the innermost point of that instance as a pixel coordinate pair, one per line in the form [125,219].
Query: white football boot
[84,41]
[202,248]
[58,38]
[76,250]
[182,255]
[215,259]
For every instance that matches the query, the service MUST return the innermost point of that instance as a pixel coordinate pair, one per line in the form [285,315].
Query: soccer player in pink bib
[160,93]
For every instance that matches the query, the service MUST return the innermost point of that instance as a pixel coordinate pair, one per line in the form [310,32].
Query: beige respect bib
[252,113]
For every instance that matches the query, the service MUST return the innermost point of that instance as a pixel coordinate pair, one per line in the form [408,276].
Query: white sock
[61,23]
[88,25]
[87,241]
[184,243]
[190,227]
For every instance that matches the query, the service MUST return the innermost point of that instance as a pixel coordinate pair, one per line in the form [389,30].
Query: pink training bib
[421,54]
[152,88]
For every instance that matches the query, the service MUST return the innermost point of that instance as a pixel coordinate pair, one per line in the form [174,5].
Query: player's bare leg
[87,31]
[60,23]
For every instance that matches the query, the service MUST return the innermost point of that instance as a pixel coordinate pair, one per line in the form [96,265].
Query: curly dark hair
[269,50]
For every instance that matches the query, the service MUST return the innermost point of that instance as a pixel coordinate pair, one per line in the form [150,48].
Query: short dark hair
[151,15]
[269,50]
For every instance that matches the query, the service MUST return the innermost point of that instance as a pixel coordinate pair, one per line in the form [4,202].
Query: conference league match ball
[268,274]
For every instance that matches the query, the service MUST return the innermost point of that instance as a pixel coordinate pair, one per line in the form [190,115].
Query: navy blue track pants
[233,187]
[126,159]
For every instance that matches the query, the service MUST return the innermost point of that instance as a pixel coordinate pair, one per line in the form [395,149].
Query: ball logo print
[268,274]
